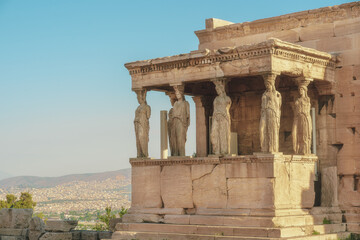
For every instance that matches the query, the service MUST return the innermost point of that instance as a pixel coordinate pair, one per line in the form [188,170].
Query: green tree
[122,212]
[25,201]
[10,199]
[100,227]
[107,217]
[9,202]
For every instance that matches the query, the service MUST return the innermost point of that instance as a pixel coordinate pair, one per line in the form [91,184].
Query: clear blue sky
[66,104]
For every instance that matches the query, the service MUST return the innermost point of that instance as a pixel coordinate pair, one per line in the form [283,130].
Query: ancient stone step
[330,228]
[332,236]
[333,218]
[231,231]
[128,235]
[246,221]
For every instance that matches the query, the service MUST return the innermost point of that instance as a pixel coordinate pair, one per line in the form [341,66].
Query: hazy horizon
[66,105]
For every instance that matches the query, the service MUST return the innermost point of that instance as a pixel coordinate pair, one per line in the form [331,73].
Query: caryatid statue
[171,129]
[220,129]
[302,125]
[270,116]
[141,123]
[180,121]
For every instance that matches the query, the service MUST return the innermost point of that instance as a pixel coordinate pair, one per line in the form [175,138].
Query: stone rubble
[18,224]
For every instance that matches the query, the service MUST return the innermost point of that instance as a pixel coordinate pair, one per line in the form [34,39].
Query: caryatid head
[303,87]
[141,96]
[269,81]
[179,92]
[220,86]
[303,91]
[270,85]
[172,97]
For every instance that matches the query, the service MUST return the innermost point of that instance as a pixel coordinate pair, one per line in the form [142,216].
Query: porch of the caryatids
[270,115]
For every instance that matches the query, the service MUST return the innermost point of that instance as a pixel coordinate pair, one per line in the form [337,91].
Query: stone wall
[18,224]
[251,185]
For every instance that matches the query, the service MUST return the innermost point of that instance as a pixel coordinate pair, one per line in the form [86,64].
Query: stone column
[163,135]
[203,106]
[221,122]
[302,124]
[141,124]
[270,115]
[180,121]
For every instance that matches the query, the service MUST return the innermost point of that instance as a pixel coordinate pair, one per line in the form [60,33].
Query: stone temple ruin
[277,132]
[277,136]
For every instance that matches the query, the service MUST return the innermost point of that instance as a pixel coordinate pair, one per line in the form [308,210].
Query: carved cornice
[272,47]
[138,162]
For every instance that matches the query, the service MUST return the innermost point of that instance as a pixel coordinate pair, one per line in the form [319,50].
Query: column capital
[136,90]
[219,79]
[177,84]
[270,76]
[178,87]
[303,81]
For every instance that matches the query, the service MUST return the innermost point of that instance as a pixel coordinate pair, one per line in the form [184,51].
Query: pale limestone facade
[312,60]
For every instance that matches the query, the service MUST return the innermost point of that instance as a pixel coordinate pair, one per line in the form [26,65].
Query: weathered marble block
[146,187]
[250,193]
[60,225]
[15,218]
[176,186]
[209,189]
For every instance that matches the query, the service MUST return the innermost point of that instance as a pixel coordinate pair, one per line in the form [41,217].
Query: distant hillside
[48,182]
[4,175]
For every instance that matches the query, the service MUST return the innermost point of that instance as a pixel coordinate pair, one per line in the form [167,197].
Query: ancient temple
[277,132]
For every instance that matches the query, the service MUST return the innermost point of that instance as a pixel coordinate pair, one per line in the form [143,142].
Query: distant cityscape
[80,200]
